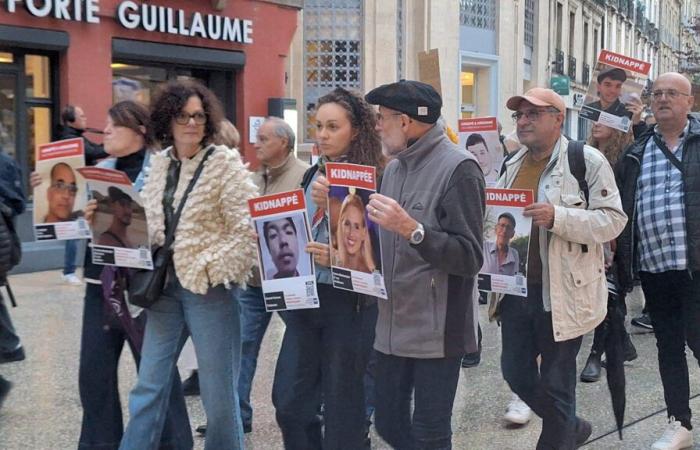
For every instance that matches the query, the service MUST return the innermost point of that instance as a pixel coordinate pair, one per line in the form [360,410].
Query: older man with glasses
[567,290]
[659,178]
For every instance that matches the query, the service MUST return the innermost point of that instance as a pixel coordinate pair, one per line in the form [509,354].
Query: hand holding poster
[287,271]
[60,198]
[119,226]
[355,250]
[480,137]
[617,81]
[506,241]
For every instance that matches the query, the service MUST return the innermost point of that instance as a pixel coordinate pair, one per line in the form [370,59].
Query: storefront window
[138,83]
[36,69]
[6,58]
[7,114]
[468,83]
[39,129]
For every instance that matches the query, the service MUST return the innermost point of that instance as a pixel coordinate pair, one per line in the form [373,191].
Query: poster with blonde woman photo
[355,250]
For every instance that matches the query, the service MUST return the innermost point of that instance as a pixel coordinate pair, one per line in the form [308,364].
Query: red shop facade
[92,53]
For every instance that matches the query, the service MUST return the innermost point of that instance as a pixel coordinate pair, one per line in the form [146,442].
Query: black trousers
[550,389]
[673,302]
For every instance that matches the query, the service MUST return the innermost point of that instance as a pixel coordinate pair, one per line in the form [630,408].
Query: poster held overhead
[355,250]
[616,81]
[60,199]
[287,272]
[119,226]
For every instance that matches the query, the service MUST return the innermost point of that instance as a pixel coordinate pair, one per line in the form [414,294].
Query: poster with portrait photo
[119,228]
[355,250]
[287,272]
[479,136]
[616,81]
[60,199]
[506,241]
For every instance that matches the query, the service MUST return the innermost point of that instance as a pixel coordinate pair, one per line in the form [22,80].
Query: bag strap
[505,160]
[670,156]
[577,165]
[170,237]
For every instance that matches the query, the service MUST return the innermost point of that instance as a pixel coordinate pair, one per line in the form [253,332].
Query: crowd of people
[397,361]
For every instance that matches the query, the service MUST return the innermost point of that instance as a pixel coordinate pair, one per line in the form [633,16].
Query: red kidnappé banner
[277,203]
[352,175]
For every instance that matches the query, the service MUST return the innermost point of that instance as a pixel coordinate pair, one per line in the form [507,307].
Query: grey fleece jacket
[430,312]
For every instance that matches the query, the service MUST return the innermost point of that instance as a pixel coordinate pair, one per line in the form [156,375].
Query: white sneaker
[72,279]
[675,437]
[517,411]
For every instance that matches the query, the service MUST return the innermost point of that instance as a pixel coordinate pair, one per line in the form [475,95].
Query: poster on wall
[480,136]
[355,250]
[119,229]
[506,241]
[617,80]
[287,272]
[60,198]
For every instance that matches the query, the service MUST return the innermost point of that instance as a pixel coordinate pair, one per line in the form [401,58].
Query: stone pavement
[43,410]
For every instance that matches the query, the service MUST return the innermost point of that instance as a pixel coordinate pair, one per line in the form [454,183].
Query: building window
[400,20]
[332,52]
[530,23]
[478,14]
[467,81]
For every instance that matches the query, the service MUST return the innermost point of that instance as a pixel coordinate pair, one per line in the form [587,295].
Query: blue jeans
[213,322]
[550,387]
[324,357]
[254,322]
[100,349]
[9,341]
[432,383]
[69,256]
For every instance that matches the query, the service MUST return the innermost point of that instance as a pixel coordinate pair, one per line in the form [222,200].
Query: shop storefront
[92,53]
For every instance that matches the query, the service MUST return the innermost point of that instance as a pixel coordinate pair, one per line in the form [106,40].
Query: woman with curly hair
[611,143]
[212,252]
[325,351]
[354,244]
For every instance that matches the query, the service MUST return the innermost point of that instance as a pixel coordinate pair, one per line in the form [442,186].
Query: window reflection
[38,76]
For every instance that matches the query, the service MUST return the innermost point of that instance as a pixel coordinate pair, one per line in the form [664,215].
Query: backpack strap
[577,166]
[505,160]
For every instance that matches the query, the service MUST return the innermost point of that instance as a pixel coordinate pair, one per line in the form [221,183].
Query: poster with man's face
[617,82]
[61,196]
[287,271]
[479,136]
[119,229]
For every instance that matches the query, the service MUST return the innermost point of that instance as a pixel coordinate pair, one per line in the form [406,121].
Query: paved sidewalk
[43,410]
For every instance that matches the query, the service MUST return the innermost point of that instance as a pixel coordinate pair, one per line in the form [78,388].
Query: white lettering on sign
[510,197]
[637,66]
[132,15]
[275,203]
[346,174]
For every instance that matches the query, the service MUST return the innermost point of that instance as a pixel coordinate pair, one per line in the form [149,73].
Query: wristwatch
[417,235]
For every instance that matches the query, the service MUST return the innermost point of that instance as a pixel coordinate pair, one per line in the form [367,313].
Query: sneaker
[72,279]
[517,411]
[643,321]
[471,359]
[675,437]
[12,355]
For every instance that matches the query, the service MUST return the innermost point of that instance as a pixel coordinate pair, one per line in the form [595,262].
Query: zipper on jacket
[435,307]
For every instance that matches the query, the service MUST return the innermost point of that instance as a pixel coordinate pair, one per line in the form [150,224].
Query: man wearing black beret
[610,83]
[430,209]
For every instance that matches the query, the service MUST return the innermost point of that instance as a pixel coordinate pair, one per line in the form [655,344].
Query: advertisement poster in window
[287,272]
[119,228]
[355,250]
[60,198]
[506,241]
[480,137]
[617,81]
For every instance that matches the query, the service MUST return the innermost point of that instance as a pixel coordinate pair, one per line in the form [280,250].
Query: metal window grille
[478,14]
[530,23]
[332,51]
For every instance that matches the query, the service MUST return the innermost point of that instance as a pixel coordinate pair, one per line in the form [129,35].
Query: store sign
[146,16]
[560,84]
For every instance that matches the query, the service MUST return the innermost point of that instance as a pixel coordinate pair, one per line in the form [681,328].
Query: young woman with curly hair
[212,252]
[325,351]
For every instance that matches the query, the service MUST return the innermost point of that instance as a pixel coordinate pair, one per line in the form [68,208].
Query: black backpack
[10,244]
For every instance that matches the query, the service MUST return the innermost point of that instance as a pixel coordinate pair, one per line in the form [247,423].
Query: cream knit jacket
[213,241]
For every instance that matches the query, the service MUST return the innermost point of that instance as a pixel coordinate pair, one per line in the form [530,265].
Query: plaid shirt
[661,210]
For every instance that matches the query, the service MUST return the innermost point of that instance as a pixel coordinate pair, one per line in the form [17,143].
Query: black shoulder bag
[146,286]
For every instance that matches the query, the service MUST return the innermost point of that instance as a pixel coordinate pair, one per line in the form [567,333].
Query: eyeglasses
[670,94]
[533,114]
[183,118]
[65,187]
[381,118]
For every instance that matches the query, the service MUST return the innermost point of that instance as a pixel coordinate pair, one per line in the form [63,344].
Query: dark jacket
[11,193]
[93,151]
[430,311]
[627,172]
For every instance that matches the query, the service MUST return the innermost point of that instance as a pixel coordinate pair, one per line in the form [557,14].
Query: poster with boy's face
[617,81]
[282,247]
[480,137]
[61,196]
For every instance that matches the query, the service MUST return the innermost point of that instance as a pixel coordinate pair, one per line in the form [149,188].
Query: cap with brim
[418,100]
[537,97]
